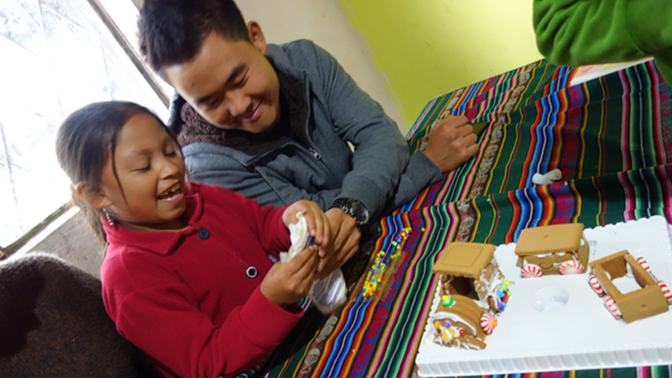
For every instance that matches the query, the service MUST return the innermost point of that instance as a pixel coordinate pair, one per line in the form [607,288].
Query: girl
[187,275]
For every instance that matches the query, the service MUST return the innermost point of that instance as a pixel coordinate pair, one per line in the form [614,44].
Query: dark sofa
[53,324]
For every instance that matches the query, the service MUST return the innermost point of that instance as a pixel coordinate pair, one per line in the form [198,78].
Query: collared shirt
[190,299]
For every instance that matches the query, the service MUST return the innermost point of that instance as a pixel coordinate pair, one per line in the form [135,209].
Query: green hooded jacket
[580,32]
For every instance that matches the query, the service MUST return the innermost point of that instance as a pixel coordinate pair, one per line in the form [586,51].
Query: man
[273,122]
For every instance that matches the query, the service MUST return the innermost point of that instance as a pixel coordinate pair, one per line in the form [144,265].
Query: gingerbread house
[652,297]
[554,249]
[458,325]
[470,269]
[472,290]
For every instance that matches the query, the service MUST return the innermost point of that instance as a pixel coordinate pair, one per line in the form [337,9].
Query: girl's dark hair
[86,140]
[172,31]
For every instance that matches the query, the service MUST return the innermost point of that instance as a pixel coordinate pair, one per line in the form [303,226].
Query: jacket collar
[159,242]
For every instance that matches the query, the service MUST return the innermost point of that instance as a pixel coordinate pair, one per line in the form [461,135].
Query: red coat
[186,297]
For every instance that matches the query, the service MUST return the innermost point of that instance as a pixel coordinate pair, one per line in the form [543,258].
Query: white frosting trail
[628,271]
[547,178]
[496,281]
[454,319]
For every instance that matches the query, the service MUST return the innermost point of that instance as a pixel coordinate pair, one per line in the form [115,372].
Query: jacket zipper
[315,153]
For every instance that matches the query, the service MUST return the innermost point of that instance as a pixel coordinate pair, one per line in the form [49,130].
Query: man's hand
[345,241]
[451,143]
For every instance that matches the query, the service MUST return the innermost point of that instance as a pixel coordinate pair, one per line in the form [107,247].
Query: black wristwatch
[353,208]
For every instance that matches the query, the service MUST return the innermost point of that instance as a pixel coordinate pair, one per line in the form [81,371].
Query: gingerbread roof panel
[464,259]
[547,239]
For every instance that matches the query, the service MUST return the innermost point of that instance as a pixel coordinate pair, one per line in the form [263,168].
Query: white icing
[493,286]
[443,316]
[327,293]
[456,340]
[628,271]
[547,178]
[298,234]
[554,254]
[574,257]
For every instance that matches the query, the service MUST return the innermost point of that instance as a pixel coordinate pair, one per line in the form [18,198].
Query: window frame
[152,80]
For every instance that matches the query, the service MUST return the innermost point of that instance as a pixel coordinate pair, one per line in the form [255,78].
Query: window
[55,57]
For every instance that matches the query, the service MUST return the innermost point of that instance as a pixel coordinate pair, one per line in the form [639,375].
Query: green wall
[426,48]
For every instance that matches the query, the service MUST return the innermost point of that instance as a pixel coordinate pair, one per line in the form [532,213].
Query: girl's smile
[144,188]
[173,194]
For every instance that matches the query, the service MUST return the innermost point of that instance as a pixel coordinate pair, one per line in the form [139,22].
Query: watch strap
[353,208]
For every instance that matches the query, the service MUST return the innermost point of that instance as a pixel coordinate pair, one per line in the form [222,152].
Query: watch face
[354,209]
[359,213]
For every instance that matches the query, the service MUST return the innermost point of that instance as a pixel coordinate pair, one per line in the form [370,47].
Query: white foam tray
[582,334]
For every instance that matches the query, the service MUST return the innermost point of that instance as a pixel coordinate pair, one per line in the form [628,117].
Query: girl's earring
[108,216]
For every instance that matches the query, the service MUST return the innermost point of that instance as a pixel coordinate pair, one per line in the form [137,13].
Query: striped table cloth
[610,137]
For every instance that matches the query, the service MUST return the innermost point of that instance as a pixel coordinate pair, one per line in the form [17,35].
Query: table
[612,139]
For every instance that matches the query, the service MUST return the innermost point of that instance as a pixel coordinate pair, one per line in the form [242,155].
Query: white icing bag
[327,293]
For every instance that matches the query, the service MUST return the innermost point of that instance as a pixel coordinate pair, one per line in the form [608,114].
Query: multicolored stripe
[612,140]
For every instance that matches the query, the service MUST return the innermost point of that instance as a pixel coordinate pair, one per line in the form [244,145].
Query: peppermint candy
[488,323]
[595,284]
[610,304]
[530,271]
[570,267]
[666,292]
[644,264]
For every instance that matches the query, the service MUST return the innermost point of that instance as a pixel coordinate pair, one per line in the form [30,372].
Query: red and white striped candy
[530,271]
[488,322]
[666,292]
[595,284]
[570,267]
[610,304]
[644,264]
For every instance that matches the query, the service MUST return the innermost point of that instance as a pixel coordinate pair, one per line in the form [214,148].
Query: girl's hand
[286,283]
[318,223]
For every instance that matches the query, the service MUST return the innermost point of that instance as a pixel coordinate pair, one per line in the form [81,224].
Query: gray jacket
[378,173]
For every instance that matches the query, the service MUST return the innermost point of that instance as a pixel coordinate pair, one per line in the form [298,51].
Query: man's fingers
[455,121]
[326,233]
[466,130]
[318,229]
[471,139]
[472,150]
[347,256]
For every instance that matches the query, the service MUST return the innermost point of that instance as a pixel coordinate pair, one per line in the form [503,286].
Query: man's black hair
[172,31]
